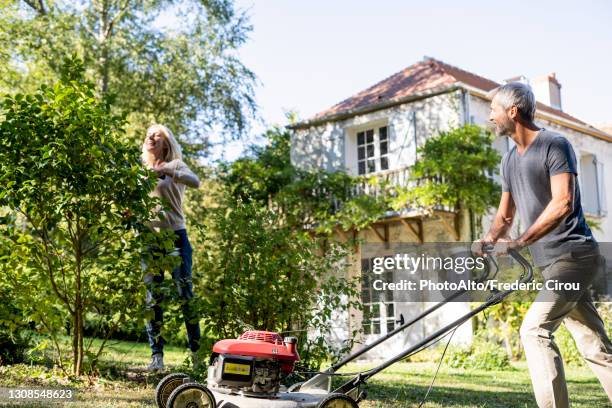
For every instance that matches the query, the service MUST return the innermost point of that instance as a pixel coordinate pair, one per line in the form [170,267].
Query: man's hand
[504,245]
[478,246]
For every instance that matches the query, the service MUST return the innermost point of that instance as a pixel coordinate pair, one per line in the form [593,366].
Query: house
[377,131]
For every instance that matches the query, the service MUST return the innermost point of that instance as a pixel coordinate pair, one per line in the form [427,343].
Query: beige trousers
[574,308]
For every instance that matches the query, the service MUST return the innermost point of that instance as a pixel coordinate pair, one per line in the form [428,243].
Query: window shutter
[601,188]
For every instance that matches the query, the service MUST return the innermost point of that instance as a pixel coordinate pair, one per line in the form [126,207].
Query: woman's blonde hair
[174,148]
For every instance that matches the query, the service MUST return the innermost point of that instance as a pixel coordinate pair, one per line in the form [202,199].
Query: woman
[162,154]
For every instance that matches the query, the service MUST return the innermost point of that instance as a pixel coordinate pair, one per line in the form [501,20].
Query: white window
[592,185]
[372,150]
[378,305]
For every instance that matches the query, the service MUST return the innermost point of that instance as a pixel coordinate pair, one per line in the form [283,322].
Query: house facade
[377,132]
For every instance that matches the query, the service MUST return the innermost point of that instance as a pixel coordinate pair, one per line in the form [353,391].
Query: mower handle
[485,276]
[524,263]
[527,275]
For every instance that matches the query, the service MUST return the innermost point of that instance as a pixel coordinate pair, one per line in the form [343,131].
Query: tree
[69,247]
[185,75]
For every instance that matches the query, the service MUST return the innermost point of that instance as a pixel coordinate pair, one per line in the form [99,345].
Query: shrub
[261,273]
[68,180]
[566,343]
[14,337]
[481,354]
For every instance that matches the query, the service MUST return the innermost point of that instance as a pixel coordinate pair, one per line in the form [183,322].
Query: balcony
[388,182]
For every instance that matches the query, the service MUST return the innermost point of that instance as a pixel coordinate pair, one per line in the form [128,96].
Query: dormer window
[372,150]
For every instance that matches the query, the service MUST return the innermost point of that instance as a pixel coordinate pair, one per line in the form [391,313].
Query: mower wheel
[166,386]
[337,401]
[192,395]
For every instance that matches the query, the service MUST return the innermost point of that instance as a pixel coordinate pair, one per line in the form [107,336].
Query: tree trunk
[77,343]
[103,34]
[77,333]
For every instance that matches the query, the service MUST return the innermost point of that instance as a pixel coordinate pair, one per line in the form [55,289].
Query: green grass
[403,386]
[122,383]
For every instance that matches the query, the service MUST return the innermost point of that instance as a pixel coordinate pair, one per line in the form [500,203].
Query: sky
[310,54]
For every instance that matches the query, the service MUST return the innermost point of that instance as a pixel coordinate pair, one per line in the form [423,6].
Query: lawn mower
[247,372]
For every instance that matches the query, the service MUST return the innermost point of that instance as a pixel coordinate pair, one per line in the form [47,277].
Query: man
[539,179]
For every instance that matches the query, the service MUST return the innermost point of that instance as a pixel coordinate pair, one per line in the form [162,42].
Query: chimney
[547,90]
[519,78]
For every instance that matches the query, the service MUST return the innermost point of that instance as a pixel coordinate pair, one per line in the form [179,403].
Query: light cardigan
[171,189]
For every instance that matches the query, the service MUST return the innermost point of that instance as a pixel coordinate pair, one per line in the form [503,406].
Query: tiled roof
[418,78]
[429,75]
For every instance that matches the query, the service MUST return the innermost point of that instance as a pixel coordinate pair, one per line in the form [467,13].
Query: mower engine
[252,365]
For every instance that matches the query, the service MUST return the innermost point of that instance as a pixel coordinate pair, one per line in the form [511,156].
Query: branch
[38,6]
[63,297]
[122,10]
[90,32]
[56,343]
[96,246]
[109,333]
[45,239]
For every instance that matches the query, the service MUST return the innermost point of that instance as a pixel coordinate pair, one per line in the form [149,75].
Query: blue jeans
[182,279]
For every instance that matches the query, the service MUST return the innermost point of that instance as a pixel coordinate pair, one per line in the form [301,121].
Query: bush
[567,347]
[566,343]
[14,338]
[13,348]
[481,354]
[261,273]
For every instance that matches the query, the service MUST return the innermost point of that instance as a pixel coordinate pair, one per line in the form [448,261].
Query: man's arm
[503,219]
[559,207]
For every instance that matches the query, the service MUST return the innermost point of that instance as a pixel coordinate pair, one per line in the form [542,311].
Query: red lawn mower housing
[253,364]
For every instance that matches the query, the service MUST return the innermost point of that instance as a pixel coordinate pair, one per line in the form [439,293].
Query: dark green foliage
[264,172]
[264,274]
[14,337]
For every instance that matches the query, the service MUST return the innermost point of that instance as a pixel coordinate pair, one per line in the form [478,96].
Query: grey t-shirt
[527,177]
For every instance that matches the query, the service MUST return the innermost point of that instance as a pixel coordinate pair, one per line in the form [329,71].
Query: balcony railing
[387,182]
[388,178]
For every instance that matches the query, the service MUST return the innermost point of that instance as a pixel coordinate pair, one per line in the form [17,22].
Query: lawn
[122,383]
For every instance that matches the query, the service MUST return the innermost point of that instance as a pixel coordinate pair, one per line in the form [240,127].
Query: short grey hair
[516,94]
